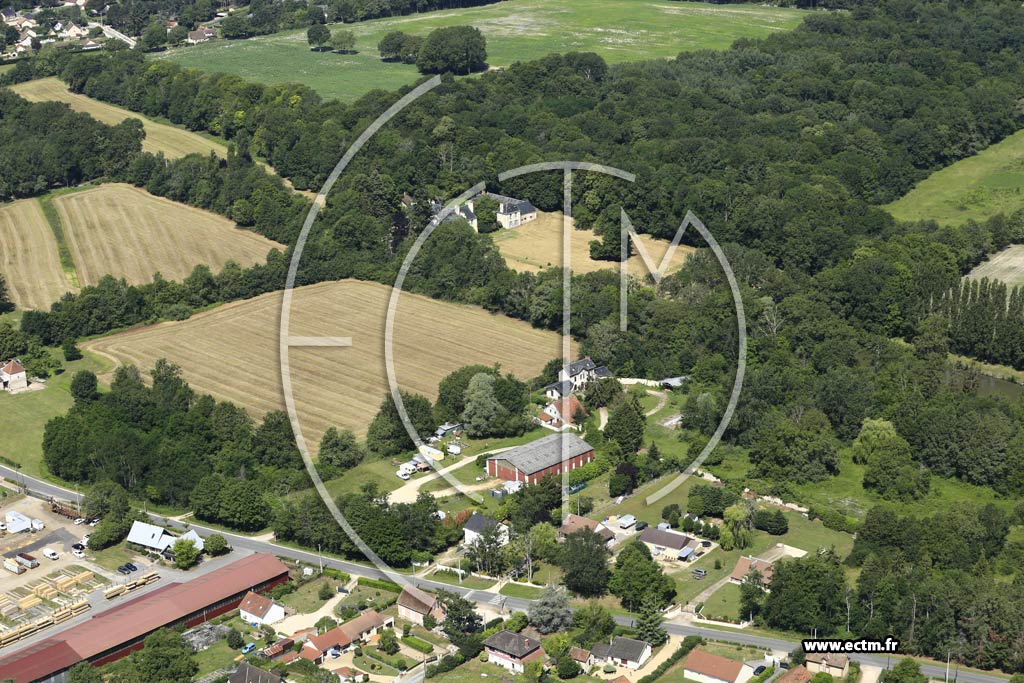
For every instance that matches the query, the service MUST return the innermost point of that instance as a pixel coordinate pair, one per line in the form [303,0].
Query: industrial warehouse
[118,631]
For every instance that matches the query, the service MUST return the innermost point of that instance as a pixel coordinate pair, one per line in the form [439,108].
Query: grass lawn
[377,471]
[306,598]
[217,656]
[452,579]
[724,604]
[364,663]
[516,30]
[32,410]
[369,595]
[113,557]
[514,590]
[977,187]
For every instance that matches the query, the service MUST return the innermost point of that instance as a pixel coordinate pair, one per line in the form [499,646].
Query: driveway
[411,489]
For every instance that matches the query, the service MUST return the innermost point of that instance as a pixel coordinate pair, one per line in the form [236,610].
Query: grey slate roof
[563,388]
[581,365]
[478,523]
[665,538]
[603,372]
[627,649]
[600,651]
[545,452]
[515,644]
[247,673]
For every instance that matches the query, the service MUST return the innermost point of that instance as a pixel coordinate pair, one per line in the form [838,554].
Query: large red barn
[530,462]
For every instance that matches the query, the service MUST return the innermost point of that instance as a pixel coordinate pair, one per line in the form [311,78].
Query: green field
[31,410]
[977,187]
[724,604]
[516,30]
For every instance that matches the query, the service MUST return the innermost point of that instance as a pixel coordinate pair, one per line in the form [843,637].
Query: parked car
[641,525]
[249,647]
[402,474]
[124,570]
[3,527]
[759,670]
[80,520]
[50,554]
[130,567]
[78,546]
[700,573]
[85,540]
[94,521]
[78,553]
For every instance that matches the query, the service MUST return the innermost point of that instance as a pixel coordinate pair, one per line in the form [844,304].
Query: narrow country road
[481,597]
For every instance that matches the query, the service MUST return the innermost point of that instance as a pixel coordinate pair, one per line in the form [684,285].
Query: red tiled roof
[13,367]
[347,633]
[417,600]
[797,674]
[288,657]
[146,613]
[39,661]
[256,605]
[746,564]
[579,654]
[713,666]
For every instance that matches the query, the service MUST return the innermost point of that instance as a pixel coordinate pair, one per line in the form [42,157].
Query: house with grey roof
[529,463]
[620,651]
[580,373]
[512,651]
[477,524]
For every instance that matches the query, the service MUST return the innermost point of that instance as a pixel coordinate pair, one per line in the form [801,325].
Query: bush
[379,583]
[418,644]
[429,622]
[215,545]
[325,591]
[235,640]
[689,642]
[406,630]
[567,668]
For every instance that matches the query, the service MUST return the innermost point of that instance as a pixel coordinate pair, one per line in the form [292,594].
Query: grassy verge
[514,590]
[67,263]
[452,579]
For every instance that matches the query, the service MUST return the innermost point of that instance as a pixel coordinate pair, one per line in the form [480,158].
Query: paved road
[493,599]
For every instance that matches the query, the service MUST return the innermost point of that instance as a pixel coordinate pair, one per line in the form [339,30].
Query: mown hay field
[537,245]
[516,30]
[232,351]
[123,231]
[1006,266]
[160,137]
[29,259]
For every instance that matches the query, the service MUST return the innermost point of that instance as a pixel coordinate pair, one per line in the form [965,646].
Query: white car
[80,520]
[85,540]
[402,474]
[78,553]
[50,554]
[3,527]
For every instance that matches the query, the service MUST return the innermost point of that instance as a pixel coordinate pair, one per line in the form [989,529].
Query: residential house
[414,604]
[530,462]
[477,524]
[8,15]
[581,372]
[562,413]
[574,523]
[74,32]
[830,663]
[747,564]
[88,44]
[795,674]
[346,636]
[581,657]
[558,390]
[620,651]
[704,667]
[512,651]
[257,610]
[513,212]
[203,34]
[247,673]
[158,539]
[12,374]
[666,544]
[349,675]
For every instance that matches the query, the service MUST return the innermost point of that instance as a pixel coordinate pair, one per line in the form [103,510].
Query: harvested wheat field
[126,232]
[537,245]
[160,137]
[1006,266]
[29,260]
[232,351]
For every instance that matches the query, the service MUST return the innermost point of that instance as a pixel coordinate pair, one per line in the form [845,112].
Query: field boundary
[67,261]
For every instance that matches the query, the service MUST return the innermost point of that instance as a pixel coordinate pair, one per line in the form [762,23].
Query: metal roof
[545,452]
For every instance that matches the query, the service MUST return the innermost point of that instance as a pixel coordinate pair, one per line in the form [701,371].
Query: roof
[581,365]
[348,632]
[600,651]
[575,523]
[478,523]
[544,452]
[150,535]
[191,535]
[713,666]
[515,644]
[620,679]
[12,367]
[602,372]
[256,605]
[665,538]
[832,659]
[746,564]
[627,649]
[417,600]
[796,674]
[579,654]
[247,673]
[567,407]
[138,617]
[564,388]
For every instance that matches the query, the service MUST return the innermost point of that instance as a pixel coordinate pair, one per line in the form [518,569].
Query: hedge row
[422,645]
[689,642]
[379,583]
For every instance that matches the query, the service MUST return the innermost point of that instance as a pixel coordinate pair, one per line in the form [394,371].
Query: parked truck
[11,565]
[37,525]
[27,560]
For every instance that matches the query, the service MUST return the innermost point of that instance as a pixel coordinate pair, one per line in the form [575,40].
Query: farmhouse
[576,522]
[343,637]
[581,372]
[13,375]
[414,604]
[552,454]
[247,673]
[705,667]
[258,610]
[562,414]
[115,633]
[747,564]
[512,651]
[477,524]
[157,538]
[836,664]
[621,651]
[668,545]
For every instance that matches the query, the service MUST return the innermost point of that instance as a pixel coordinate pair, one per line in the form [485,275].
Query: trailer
[27,560]
[17,522]
[11,565]
[37,525]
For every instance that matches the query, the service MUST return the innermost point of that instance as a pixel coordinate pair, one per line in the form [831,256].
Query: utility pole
[320,557]
[947,665]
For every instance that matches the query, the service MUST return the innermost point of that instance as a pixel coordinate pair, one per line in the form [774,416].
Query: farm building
[258,610]
[477,524]
[117,632]
[747,564]
[530,462]
[576,522]
[414,604]
[562,413]
[13,375]
[621,651]
[346,636]
[836,664]
[512,651]
[668,545]
[705,667]
[247,673]
[158,539]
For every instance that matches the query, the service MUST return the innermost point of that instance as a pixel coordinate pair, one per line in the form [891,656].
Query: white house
[513,212]
[414,604]
[513,651]
[257,610]
[12,374]
[626,652]
[157,538]
[476,525]
[705,667]
[560,414]
[581,372]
